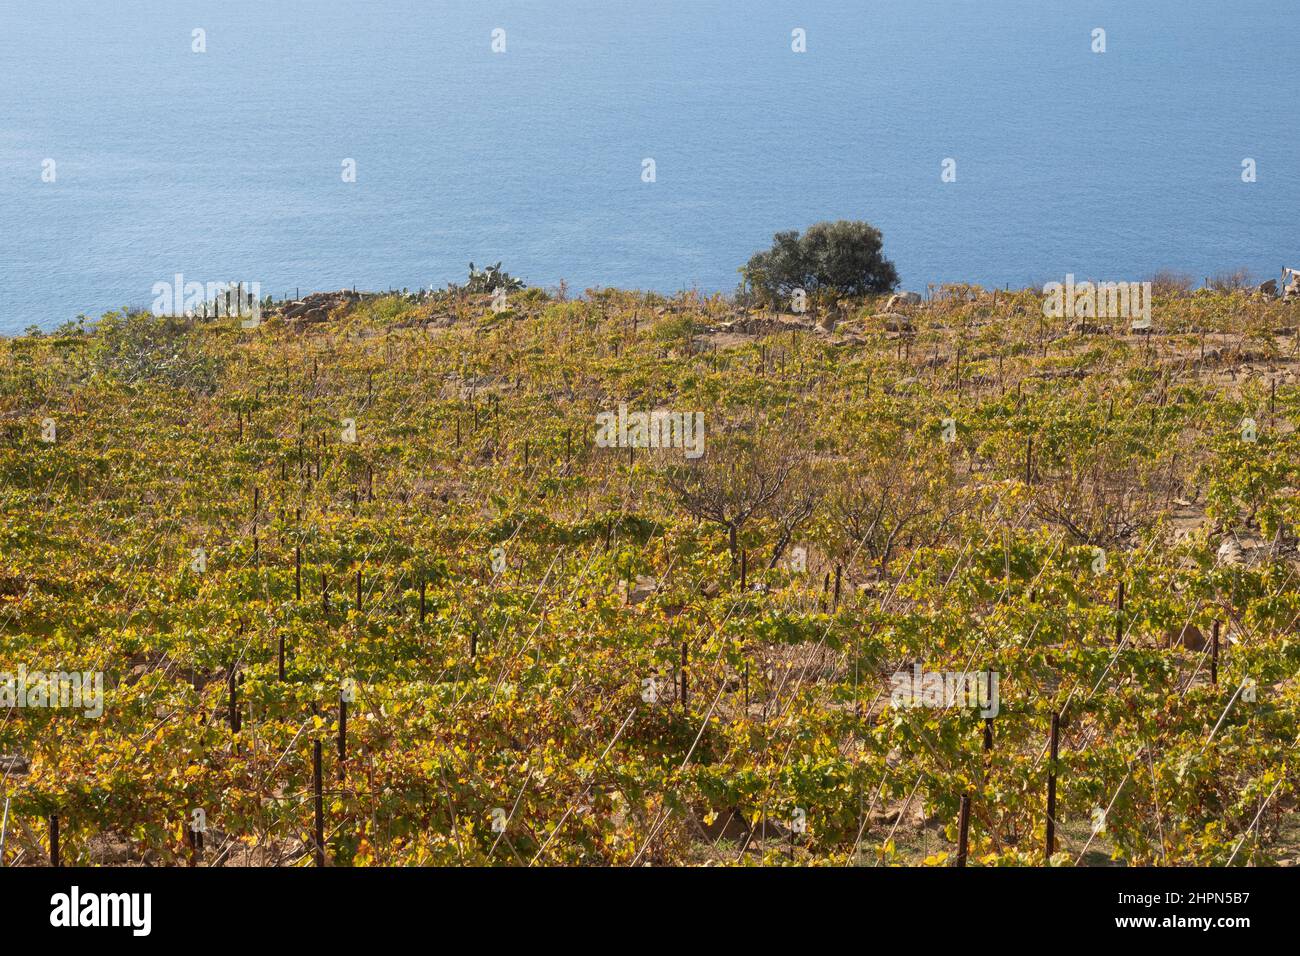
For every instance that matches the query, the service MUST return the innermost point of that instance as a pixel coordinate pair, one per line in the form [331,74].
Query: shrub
[1168,282]
[844,256]
[137,346]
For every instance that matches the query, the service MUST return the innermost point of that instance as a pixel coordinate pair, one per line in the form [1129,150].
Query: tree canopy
[846,256]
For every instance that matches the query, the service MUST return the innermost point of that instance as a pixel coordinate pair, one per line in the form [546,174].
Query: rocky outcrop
[762,325]
[893,322]
[318,306]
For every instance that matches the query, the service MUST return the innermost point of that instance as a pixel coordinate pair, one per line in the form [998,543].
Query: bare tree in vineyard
[1098,493]
[893,488]
[745,476]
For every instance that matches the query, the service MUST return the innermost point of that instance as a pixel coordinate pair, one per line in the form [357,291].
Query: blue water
[226,164]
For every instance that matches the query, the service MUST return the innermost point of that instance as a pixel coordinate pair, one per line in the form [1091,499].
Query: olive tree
[844,256]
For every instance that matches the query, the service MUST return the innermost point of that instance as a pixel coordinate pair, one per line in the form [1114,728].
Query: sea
[646,144]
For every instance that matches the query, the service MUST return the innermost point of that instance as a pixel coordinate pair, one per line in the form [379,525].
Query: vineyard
[365,588]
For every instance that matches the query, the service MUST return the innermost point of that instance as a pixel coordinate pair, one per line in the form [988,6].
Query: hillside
[395,528]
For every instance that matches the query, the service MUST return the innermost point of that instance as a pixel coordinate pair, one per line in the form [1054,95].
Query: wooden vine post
[319,798]
[1119,614]
[234,698]
[1214,655]
[1051,787]
[963,830]
[684,687]
[343,736]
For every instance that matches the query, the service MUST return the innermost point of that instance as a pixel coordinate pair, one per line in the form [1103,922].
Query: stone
[109,848]
[1230,552]
[13,764]
[1188,637]
[642,588]
[899,299]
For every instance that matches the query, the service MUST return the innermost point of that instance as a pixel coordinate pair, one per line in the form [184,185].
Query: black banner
[141,905]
